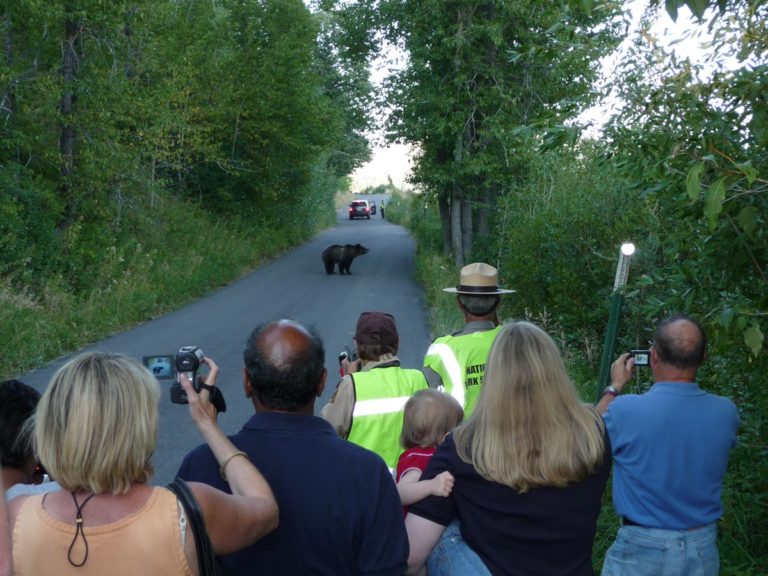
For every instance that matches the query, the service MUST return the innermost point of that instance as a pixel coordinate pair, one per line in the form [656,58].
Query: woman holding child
[530,467]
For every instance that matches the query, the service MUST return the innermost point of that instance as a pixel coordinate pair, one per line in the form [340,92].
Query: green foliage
[485,83]
[693,148]
[28,247]
[242,117]
[433,270]
[382,189]
[557,239]
[161,267]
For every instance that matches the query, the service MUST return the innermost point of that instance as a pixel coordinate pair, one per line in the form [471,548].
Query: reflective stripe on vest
[377,418]
[380,406]
[452,356]
[447,356]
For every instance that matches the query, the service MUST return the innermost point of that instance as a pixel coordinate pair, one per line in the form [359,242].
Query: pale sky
[391,161]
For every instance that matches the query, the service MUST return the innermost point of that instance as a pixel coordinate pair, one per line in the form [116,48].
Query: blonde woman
[96,430]
[530,467]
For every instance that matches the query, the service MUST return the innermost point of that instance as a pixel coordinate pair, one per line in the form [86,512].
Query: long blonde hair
[96,425]
[529,428]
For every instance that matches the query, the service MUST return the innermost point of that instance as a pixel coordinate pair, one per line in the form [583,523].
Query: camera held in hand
[642,357]
[187,361]
[350,356]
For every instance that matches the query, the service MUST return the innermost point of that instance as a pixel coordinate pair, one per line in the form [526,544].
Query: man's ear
[247,388]
[321,384]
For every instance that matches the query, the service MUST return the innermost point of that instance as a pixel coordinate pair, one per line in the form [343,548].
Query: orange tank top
[147,543]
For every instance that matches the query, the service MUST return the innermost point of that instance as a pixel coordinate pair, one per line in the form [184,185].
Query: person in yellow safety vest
[456,363]
[367,407]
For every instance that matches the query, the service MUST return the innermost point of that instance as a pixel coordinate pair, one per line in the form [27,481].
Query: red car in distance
[359,209]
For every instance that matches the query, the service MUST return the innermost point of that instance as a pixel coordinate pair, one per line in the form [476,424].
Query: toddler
[427,418]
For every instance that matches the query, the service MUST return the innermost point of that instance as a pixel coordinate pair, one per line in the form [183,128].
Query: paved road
[293,286]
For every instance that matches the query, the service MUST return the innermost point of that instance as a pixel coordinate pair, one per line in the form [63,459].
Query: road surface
[292,286]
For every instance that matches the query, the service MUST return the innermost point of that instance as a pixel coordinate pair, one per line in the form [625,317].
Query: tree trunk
[483,228]
[456,222]
[66,109]
[466,230]
[445,220]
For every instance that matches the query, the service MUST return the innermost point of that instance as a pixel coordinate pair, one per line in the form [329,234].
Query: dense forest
[153,150]
[137,137]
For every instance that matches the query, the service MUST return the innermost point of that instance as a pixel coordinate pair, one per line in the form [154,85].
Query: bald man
[339,508]
[670,451]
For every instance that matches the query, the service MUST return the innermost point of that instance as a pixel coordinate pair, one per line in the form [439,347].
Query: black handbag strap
[205,556]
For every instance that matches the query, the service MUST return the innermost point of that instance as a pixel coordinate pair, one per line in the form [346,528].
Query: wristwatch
[611,389]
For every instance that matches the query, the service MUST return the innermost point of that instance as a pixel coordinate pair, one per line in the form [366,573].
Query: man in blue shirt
[340,513]
[670,452]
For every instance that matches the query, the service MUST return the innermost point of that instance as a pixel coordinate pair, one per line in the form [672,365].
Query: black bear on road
[342,255]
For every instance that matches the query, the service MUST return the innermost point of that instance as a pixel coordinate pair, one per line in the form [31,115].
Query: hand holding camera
[187,362]
[623,368]
[348,362]
[621,371]
[201,406]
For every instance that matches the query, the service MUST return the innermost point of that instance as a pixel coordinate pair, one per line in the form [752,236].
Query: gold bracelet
[227,459]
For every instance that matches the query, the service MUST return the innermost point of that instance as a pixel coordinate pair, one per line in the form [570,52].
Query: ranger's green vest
[380,395]
[460,362]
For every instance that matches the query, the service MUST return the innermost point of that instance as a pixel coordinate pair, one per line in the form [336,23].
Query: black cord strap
[79,531]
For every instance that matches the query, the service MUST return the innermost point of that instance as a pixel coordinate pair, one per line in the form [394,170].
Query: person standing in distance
[670,452]
[367,406]
[457,362]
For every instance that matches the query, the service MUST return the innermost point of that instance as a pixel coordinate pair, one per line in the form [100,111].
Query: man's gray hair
[479,305]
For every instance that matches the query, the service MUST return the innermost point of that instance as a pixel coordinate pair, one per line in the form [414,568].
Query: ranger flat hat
[478,279]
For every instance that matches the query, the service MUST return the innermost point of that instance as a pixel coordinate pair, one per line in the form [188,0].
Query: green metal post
[609,346]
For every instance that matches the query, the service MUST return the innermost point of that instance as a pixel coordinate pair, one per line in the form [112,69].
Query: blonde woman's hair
[529,427]
[427,417]
[96,425]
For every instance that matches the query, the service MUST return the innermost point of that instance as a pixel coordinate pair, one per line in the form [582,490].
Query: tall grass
[179,255]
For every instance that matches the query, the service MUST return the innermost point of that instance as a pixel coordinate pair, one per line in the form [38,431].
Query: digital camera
[642,357]
[350,356]
[186,361]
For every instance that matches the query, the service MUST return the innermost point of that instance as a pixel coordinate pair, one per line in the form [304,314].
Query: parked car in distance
[359,209]
[372,204]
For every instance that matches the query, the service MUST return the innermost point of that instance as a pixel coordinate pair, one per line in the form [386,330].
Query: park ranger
[456,363]
[367,407]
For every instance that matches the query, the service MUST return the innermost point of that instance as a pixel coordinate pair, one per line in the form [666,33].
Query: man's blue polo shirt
[670,452]
[339,508]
